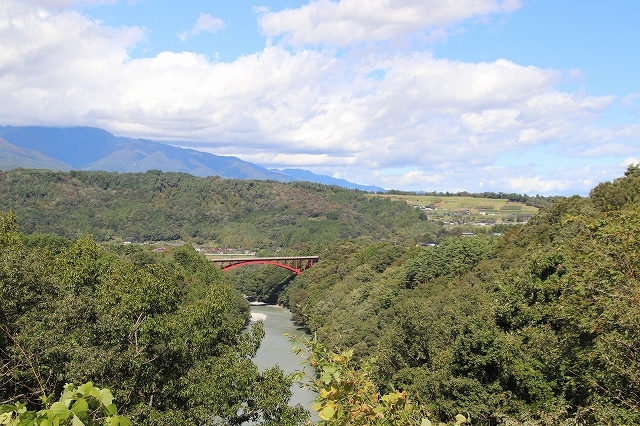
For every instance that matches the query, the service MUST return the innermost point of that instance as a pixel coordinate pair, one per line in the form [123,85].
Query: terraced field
[464,210]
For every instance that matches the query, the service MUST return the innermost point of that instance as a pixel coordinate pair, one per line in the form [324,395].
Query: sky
[536,97]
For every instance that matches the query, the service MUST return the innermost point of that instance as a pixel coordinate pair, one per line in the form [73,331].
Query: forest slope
[176,206]
[541,327]
[163,333]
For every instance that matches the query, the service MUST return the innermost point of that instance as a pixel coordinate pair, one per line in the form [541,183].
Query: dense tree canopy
[540,327]
[156,206]
[162,333]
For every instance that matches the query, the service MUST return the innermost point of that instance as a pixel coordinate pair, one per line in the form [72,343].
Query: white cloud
[630,162]
[52,64]
[204,24]
[402,120]
[529,184]
[345,22]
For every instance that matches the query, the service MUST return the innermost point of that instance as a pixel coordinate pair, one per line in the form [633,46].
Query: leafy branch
[85,405]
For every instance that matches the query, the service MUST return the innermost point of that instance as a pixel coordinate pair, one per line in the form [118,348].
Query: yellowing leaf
[460,419]
[105,397]
[327,412]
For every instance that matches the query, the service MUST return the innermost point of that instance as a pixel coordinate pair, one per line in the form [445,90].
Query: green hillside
[157,206]
[537,327]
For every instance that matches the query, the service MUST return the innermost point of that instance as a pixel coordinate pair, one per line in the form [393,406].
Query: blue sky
[448,95]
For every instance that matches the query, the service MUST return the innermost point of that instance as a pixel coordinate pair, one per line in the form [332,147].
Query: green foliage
[77,406]
[155,206]
[451,258]
[347,294]
[538,328]
[8,224]
[153,329]
[609,196]
[347,395]
[262,283]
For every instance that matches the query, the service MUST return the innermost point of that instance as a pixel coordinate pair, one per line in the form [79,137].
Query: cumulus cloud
[52,64]
[345,22]
[399,119]
[204,24]
[528,184]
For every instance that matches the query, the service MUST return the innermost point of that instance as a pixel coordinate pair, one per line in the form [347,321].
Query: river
[276,349]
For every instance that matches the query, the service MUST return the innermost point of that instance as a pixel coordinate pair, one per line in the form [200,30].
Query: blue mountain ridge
[89,148]
[12,157]
[328,180]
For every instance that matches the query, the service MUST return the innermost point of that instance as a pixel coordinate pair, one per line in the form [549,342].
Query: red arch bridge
[295,264]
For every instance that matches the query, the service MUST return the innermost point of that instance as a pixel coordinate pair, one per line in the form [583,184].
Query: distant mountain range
[306,175]
[88,148]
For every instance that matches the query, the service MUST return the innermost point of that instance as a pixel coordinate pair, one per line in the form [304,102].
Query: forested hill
[541,327]
[177,206]
[163,332]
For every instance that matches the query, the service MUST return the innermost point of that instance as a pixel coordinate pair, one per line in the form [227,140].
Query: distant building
[426,244]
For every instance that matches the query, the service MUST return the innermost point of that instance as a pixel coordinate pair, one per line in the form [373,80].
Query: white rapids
[255,317]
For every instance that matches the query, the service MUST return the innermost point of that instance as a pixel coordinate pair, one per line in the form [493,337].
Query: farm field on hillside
[467,210]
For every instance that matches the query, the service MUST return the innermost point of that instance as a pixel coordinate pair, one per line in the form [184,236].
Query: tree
[161,334]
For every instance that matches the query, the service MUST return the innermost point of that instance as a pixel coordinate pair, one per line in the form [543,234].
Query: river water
[276,349]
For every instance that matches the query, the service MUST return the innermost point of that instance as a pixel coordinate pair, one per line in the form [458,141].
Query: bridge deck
[214,258]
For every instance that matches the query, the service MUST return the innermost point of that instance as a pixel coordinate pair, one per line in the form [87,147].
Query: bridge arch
[264,262]
[294,264]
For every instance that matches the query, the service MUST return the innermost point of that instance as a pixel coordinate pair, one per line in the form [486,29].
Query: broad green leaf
[6,408]
[88,389]
[119,421]
[77,421]
[391,398]
[111,409]
[425,422]
[105,397]
[58,411]
[80,407]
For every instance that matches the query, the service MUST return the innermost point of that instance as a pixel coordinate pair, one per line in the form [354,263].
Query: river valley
[276,349]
